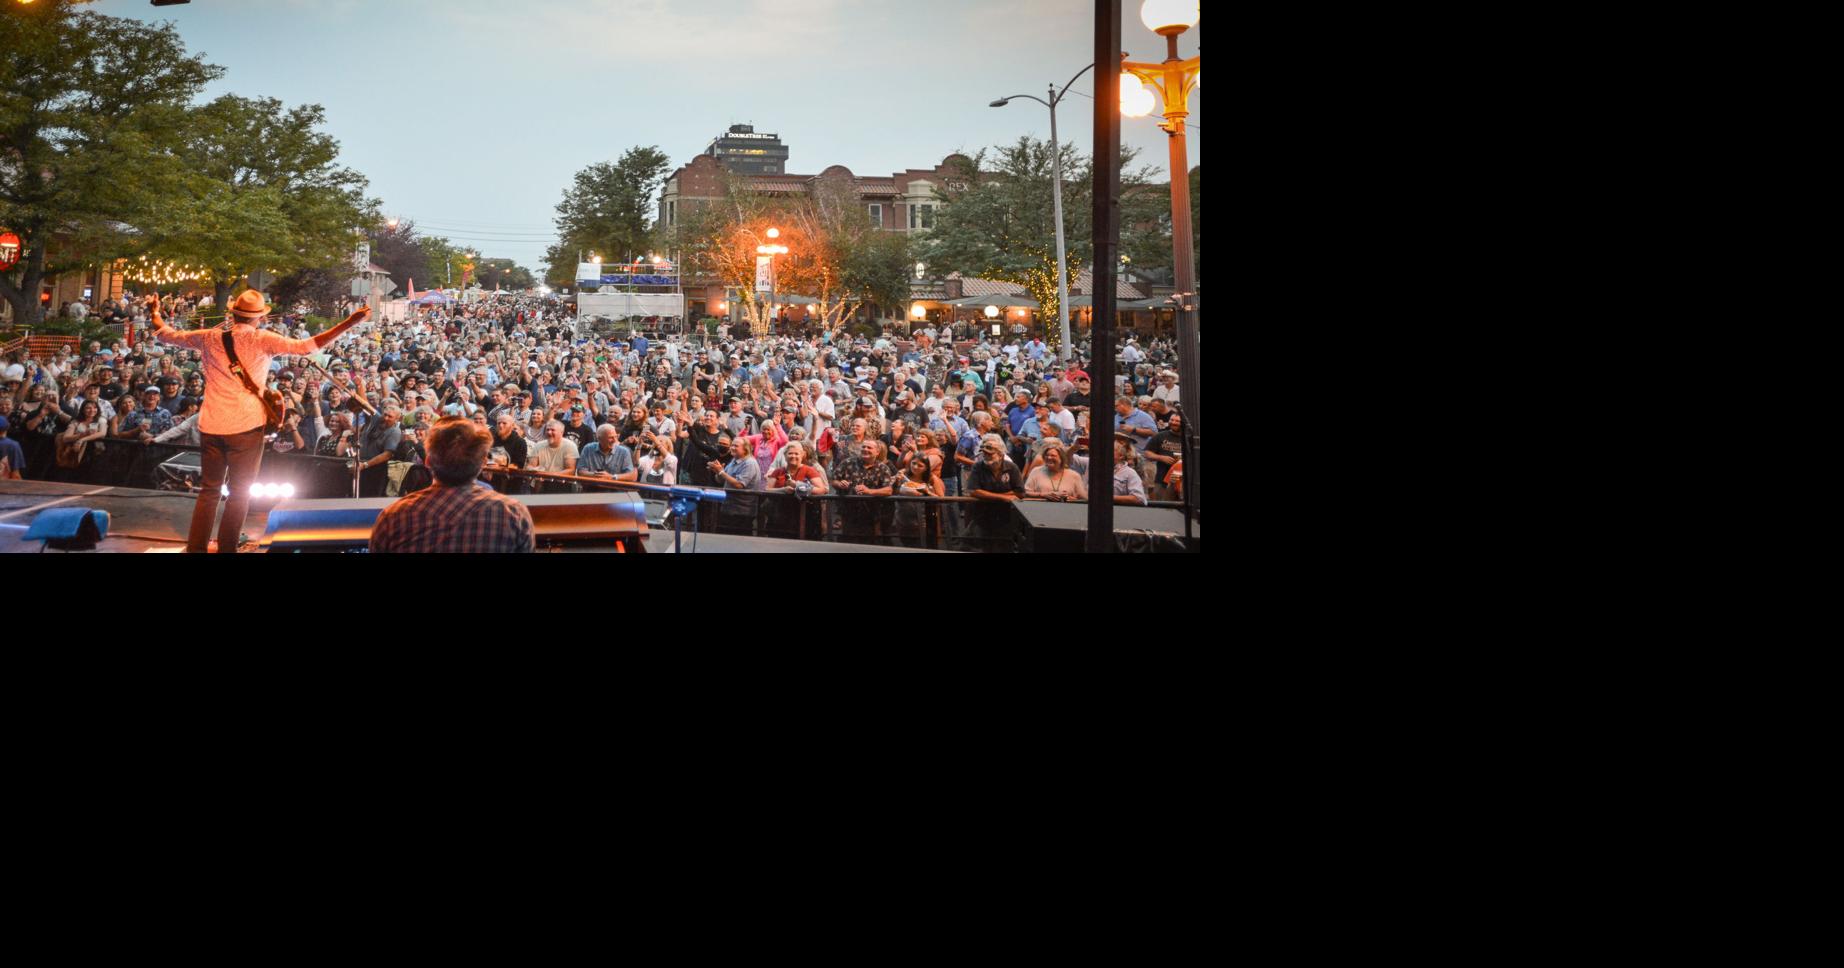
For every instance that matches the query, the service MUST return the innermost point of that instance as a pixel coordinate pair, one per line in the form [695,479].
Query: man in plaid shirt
[457,514]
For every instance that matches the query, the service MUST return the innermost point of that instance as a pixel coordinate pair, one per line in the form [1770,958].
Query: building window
[928,216]
[877,216]
[672,212]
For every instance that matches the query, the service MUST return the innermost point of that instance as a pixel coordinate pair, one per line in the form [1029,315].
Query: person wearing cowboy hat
[231,419]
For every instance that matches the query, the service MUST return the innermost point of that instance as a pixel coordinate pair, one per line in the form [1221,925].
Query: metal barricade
[163,467]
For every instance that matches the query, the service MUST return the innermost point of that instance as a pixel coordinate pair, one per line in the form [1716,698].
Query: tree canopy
[92,119]
[608,209]
[264,191]
[1000,222]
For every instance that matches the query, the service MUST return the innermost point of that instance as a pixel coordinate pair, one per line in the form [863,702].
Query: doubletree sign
[9,250]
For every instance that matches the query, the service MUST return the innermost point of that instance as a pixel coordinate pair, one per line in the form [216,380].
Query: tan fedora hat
[250,305]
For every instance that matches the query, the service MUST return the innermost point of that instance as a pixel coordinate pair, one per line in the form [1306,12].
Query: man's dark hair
[457,450]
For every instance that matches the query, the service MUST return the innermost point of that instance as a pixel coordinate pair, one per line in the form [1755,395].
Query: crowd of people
[998,419]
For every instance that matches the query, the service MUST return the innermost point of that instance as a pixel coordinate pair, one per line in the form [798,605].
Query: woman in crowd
[798,471]
[767,445]
[900,441]
[81,441]
[534,429]
[1054,480]
[656,462]
[36,423]
[918,479]
[928,445]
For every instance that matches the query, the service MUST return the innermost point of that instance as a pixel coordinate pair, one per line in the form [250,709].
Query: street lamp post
[1056,176]
[771,250]
[1175,79]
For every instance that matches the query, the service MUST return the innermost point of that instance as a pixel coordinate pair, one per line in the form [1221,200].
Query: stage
[140,521]
[149,522]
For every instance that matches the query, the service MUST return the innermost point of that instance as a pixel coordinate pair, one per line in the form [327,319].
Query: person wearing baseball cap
[232,420]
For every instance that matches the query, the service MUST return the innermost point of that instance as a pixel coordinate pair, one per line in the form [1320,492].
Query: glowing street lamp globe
[992,312]
[774,233]
[917,311]
[1135,100]
[1174,16]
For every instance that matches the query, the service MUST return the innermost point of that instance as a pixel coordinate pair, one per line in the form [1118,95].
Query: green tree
[608,210]
[264,192]
[445,261]
[837,256]
[398,249]
[322,289]
[90,114]
[1000,221]
[504,274]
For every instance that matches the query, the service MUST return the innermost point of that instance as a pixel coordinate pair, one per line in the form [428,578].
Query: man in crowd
[377,445]
[606,457]
[1164,450]
[559,453]
[1128,488]
[150,420]
[742,472]
[456,515]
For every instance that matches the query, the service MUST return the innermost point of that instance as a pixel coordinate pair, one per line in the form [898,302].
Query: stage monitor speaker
[69,529]
[345,524]
[579,518]
[1063,528]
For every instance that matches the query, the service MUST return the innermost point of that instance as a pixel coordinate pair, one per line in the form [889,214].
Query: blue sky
[470,116]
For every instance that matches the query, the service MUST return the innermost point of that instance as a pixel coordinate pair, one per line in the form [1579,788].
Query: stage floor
[139,521]
[142,522]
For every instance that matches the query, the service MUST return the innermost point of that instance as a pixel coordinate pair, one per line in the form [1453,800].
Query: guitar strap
[230,350]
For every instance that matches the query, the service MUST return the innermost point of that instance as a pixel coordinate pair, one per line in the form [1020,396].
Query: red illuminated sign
[10,247]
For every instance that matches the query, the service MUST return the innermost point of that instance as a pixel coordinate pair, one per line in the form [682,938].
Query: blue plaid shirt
[157,421]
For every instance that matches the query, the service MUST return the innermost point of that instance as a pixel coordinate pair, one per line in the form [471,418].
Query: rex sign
[10,247]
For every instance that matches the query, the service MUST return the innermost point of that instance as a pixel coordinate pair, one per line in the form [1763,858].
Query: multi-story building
[745,152]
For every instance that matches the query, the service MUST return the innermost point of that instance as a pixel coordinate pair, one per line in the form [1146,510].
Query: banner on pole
[762,283]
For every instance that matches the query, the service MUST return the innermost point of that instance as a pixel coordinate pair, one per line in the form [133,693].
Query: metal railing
[163,467]
[934,523]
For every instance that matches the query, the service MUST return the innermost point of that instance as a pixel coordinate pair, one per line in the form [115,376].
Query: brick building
[899,202]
